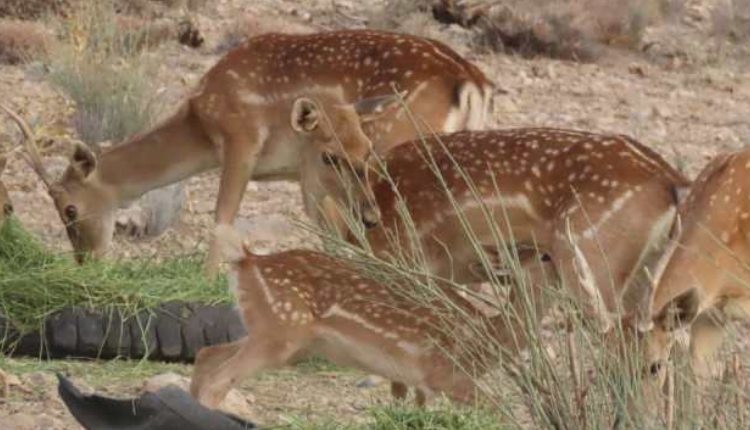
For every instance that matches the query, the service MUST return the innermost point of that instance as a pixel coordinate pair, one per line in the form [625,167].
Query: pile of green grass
[35,282]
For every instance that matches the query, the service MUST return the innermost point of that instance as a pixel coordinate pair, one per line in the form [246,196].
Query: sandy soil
[689,100]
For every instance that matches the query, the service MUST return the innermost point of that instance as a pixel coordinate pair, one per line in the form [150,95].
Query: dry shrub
[153,8]
[33,9]
[141,34]
[569,29]
[251,25]
[731,20]
[393,14]
[183,4]
[103,70]
[21,41]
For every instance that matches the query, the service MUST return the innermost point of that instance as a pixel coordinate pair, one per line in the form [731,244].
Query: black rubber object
[174,331]
[167,409]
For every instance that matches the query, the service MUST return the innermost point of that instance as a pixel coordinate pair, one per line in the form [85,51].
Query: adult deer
[702,281]
[299,302]
[6,207]
[260,106]
[599,206]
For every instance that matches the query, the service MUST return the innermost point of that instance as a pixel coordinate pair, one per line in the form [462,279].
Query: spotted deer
[6,207]
[262,104]
[702,280]
[598,206]
[301,302]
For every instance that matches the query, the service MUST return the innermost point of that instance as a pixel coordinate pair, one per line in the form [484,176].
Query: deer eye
[330,159]
[7,209]
[655,368]
[71,213]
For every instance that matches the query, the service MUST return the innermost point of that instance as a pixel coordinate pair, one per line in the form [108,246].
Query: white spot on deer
[409,348]
[250,98]
[263,286]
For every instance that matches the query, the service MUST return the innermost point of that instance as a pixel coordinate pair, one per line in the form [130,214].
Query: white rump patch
[474,106]
[454,121]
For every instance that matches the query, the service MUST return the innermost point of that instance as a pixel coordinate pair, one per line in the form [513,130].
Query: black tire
[117,336]
[193,336]
[169,330]
[175,331]
[91,332]
[61,331]
[143,340]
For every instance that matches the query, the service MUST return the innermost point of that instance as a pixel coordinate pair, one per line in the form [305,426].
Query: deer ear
[305,115]
[3,162]
[372,108]
[682,310]
[83,160]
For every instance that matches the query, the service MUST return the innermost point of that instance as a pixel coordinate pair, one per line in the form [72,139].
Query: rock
[370,381]
[153,214]
[235,402]
[155,383]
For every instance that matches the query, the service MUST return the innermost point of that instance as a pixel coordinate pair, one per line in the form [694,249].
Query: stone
[235,402]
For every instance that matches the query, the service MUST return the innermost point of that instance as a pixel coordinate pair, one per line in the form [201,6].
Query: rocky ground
[311,392]
[688,97]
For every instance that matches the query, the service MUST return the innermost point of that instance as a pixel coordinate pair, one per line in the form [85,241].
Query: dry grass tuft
[156,8]
[100,67]
[21,41]
[33,9]
[731,20]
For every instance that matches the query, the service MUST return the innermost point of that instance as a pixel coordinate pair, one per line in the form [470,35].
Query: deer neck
[167,154]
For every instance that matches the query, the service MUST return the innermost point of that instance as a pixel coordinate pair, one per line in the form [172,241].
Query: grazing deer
[260,106]
[300,302]
[598,206]
[703,280]
[6,207]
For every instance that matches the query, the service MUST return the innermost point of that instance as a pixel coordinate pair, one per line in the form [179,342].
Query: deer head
[334,179]
[87,204]
[79,202]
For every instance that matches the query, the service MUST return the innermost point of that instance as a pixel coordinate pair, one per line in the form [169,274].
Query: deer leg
[211,357]
[420,397]
[239,160]
[706,336]
[239,362]
[399,390]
